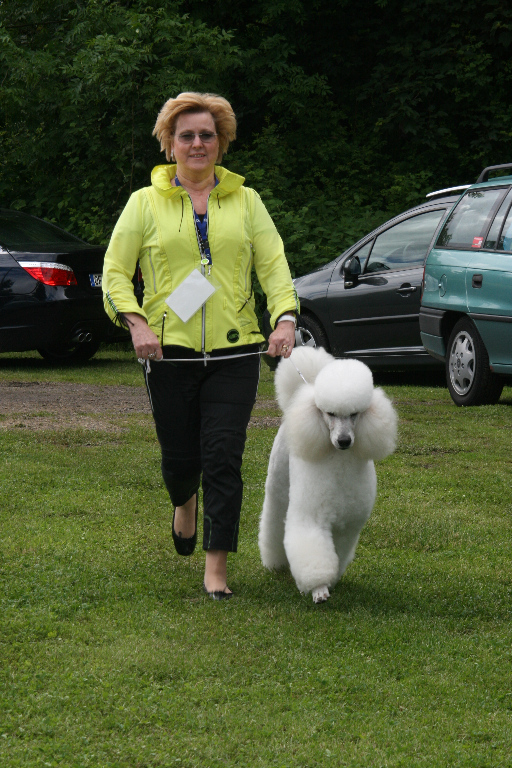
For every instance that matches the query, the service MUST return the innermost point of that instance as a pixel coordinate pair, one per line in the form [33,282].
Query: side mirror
[351,271]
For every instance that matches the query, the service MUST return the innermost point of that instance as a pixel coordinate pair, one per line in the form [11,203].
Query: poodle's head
[341,410]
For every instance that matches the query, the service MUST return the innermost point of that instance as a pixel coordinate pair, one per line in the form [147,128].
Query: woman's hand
[144,340]
[282,339]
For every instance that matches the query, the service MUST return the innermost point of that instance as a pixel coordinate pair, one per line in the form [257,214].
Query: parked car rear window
[18,231]
[505,239]
[404,245]
[467,224]
[493,236]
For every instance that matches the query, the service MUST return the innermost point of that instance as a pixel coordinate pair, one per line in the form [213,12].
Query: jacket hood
[162,175]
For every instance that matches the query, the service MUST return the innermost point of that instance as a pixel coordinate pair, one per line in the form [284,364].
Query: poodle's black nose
[344,443]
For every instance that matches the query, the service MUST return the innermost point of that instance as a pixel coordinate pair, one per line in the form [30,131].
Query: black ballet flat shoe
[184,546]
[218,595]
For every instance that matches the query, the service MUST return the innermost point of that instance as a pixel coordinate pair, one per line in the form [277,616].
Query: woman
[197,228]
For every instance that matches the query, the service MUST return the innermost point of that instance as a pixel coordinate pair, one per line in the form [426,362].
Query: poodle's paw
[320,595]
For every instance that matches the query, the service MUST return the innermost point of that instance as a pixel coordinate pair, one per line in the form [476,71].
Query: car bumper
[59,325]
[431,332]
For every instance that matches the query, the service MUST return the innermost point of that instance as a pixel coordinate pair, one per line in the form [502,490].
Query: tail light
[49,273]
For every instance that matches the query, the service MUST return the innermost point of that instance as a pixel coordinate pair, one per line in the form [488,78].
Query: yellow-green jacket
[157,228]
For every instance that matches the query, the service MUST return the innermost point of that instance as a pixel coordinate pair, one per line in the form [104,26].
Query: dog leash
[300,374]
[147,364]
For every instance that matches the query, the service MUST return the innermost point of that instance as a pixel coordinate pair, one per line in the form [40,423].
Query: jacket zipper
[203,309]
[203,322]
[203,272]
[163,324]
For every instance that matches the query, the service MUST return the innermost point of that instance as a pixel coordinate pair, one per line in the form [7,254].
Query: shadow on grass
[410,378]
[429,379]
[447,601]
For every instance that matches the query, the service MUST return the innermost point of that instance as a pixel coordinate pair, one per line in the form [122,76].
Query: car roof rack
[448,191]
[484,176]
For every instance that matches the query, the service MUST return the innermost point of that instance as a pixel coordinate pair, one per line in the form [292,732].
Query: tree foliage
[82,88]
[348,112]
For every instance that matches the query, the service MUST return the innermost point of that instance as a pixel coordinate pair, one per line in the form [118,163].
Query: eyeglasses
[206,138]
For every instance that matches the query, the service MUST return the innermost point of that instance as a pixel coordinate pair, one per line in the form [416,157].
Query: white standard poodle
[321,483]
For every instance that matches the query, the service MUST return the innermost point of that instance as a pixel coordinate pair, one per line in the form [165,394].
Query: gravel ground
[39,406]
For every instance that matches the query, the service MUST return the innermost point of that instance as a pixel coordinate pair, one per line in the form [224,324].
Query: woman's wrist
[287,316]
[134,321]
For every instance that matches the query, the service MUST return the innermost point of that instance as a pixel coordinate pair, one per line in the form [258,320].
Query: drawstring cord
[206,358]
[182,210]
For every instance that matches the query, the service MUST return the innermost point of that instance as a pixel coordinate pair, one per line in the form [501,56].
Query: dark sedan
[50,291]
[365,304]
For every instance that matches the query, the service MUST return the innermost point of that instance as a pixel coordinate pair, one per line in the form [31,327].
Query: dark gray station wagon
[365,304]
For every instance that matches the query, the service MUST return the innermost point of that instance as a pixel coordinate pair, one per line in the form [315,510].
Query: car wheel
[308,333]
[77,354]
[468,376]
[312,333]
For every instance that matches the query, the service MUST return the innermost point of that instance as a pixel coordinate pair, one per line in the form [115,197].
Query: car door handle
[477,281]
[406,289]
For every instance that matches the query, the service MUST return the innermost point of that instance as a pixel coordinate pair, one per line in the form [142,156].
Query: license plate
[95,280]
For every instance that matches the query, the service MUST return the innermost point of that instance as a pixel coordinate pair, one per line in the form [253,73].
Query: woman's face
[198,156]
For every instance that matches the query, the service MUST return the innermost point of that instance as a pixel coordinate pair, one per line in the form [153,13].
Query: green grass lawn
[111,656]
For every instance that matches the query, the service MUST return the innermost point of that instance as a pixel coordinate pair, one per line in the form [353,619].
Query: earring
[172,155]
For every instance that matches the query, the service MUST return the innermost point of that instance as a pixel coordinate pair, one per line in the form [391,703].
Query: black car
[50,291]
[365,304]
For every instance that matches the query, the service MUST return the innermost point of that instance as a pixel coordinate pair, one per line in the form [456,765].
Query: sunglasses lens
[188,138]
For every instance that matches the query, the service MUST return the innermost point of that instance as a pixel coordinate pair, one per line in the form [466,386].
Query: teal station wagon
[466,305]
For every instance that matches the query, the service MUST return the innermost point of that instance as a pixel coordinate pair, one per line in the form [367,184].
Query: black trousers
[201,414]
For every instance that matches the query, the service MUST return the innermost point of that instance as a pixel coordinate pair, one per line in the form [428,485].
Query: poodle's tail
[304,364]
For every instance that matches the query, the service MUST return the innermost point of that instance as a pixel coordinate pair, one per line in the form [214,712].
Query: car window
[492,238]
[405,244]
[362,253]
[505,241]
[467,224]
[18,231]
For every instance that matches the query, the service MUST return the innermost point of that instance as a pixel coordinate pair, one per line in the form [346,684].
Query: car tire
[469,378]
[311,328]
[77,354]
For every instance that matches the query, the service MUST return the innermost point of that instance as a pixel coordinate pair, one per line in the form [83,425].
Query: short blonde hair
[219,108]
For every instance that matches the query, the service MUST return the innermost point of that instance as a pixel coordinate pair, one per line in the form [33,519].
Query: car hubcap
[462,363]
[303,338]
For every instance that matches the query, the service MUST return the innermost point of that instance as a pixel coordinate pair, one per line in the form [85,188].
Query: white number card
[190,295]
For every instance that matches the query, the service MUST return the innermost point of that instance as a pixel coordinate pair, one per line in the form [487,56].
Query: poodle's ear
[376,429]
[306,432]
[303,365]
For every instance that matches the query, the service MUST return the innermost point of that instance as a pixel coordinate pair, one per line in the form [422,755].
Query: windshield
[18,232]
